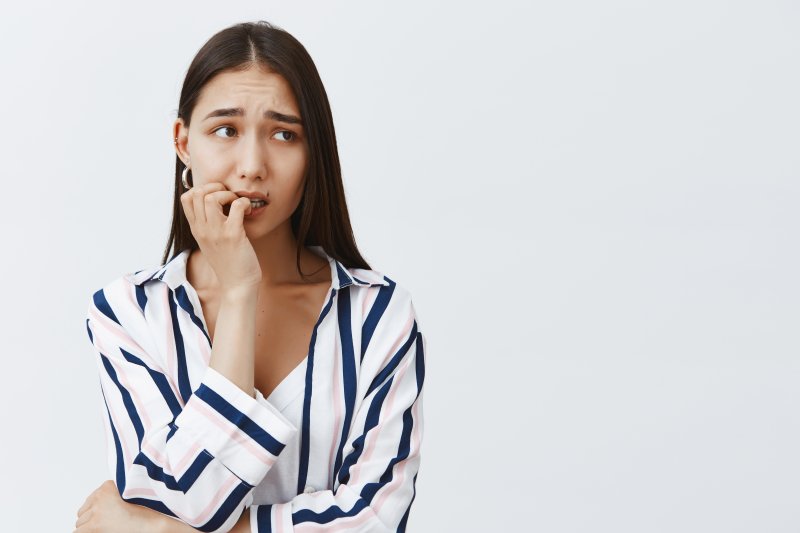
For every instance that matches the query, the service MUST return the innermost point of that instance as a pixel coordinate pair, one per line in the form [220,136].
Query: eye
[223,128]
[291,133]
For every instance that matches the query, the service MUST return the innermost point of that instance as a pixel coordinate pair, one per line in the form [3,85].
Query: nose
[251,159]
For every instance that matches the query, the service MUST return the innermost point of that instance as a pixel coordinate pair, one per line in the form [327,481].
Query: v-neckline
[294,382]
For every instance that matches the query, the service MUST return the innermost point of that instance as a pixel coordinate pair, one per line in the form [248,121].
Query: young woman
[305,412]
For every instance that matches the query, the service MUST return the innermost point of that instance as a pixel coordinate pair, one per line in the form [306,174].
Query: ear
[180,137]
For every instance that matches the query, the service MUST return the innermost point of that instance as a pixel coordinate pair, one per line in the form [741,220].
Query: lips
[253,195]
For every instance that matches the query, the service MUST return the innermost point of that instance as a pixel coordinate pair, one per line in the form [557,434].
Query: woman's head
[270,131]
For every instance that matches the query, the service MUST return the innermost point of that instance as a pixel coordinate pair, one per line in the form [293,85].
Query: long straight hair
[321,218]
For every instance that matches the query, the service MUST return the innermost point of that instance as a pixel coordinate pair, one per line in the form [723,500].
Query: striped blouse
[336,445]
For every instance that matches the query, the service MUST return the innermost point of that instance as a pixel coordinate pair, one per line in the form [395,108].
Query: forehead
[253,87]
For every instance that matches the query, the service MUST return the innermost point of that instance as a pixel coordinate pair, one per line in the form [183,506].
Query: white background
[594,205]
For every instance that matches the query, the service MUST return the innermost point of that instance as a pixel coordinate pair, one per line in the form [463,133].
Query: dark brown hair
[321,218]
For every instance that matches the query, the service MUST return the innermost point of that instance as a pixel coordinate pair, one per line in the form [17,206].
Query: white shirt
[335,445]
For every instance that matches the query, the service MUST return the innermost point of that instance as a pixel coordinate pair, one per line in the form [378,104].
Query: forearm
[233,350]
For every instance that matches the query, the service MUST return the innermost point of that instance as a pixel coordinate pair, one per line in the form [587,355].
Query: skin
[244,272]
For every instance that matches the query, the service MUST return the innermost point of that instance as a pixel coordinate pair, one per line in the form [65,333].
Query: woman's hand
[104,511]
[221,238]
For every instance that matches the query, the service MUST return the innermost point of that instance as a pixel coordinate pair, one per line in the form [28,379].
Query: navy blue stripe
[264,518]
[375,314]
[141,296]
[101,303]
[239,419]
[186,303]
[330,514]
[373,417]
[394,361]
[370,489]
[152,504]
[172,429]
[120,460]
[344,278]
[160,380]
[227,508]
[305,431]
[126,399]
[402,527]
[183,375]
[348,370]
[154,471]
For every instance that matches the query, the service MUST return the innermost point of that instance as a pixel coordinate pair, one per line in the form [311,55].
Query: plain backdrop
[594,205]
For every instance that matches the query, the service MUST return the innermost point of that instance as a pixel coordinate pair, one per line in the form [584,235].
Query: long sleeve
[197,459]
[374,484]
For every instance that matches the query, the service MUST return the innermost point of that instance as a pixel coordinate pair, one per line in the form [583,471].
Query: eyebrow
[269,113]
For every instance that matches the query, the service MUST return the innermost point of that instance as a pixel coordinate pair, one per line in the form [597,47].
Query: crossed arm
[192,465]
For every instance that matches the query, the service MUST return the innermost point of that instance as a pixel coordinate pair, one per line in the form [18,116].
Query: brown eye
[291,133]
[223,128]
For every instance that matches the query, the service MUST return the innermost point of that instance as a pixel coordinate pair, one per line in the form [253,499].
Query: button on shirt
[335,445]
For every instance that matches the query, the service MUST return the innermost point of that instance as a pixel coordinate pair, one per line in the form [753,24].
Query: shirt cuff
[275,517]
[245,433]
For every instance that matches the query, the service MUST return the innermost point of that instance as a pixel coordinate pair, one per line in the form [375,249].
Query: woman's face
[245,133]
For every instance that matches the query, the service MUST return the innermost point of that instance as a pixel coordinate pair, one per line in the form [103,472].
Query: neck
[277,253]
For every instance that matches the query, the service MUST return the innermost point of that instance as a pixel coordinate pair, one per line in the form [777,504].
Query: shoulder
[381,293]
[121,300]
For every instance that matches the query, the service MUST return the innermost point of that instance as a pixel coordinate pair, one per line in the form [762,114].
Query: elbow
[195,498]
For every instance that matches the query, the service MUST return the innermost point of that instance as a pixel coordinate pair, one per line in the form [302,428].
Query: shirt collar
[173,272]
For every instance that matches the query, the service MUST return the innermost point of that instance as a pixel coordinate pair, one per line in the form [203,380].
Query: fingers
[239,208]
[193,204]
[85,506]
[188,206]
[85,517]
[198,199]
[215,203]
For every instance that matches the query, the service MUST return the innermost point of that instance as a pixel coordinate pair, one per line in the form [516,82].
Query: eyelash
[293,134]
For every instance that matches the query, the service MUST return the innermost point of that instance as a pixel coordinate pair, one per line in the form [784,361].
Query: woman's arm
[376,468]
[193,455]
[104,510]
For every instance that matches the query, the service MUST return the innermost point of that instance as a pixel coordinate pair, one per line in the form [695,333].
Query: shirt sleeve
[198,459]
[374,486]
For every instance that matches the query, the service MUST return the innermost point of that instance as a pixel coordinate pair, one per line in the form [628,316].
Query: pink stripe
[336,400]
[203,517]
[154,453]
[216,501]
[188,457]
[374,436]
[115,334]
[401,469]
[341,524]
[278,513]
[369,300]
[400,339]
[169,341]
[235,433]
[122,434]
[405,465]
[169,374]
[140,492]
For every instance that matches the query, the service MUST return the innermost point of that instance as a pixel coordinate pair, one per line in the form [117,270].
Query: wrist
[241,294]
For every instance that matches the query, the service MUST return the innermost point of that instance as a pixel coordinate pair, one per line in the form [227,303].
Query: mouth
[255,197]
[255,204]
